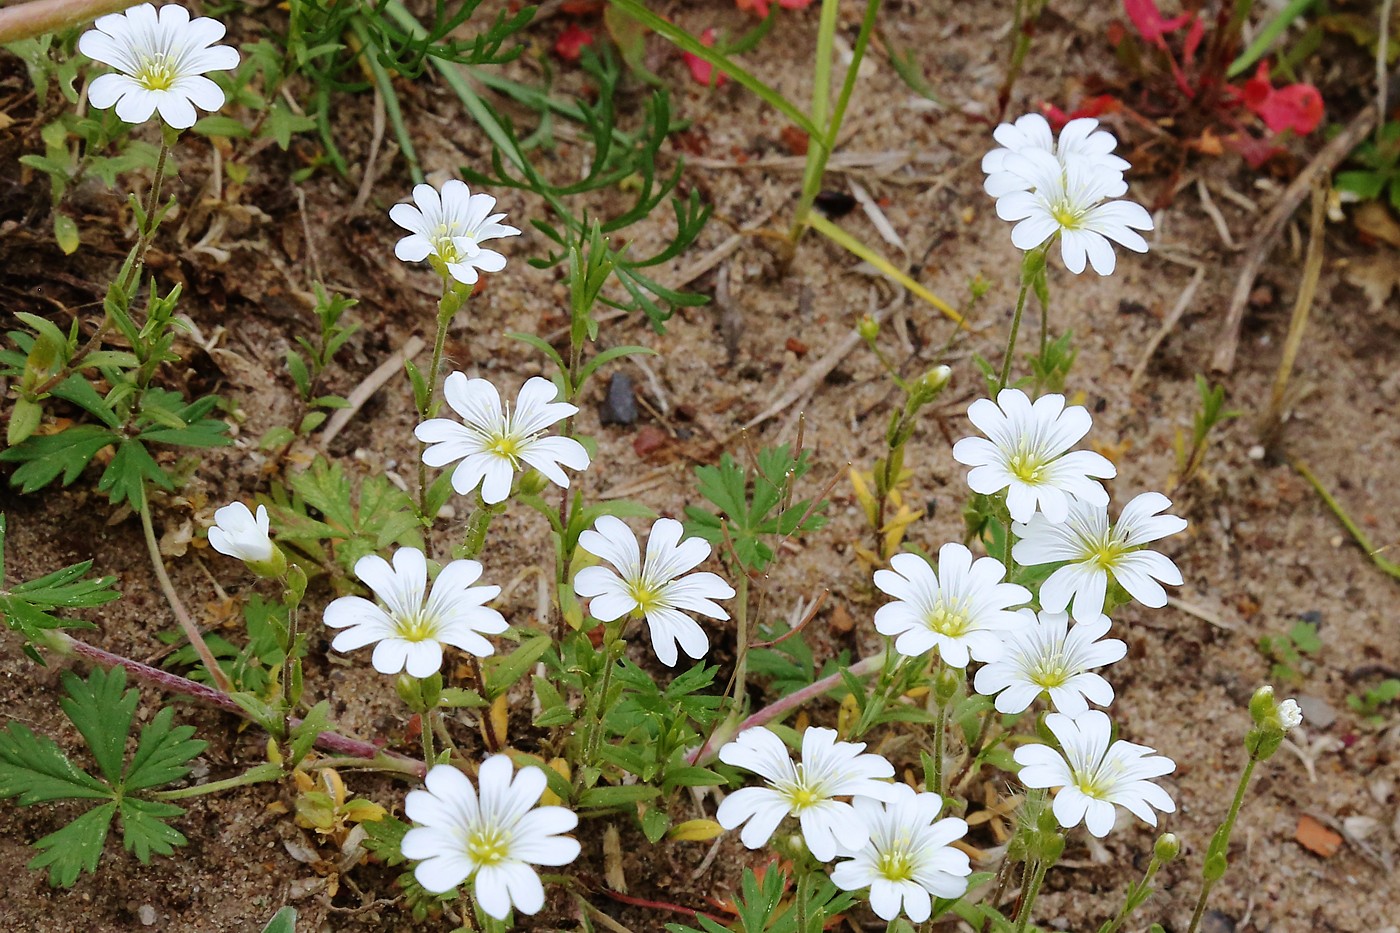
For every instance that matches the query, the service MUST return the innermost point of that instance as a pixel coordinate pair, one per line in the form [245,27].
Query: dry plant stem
[862,668]
[1307,289]
[741,623]
[181,615]
[1322,166]
[174,683]
[1361,538]
[27,20]
[1226,828]
[493,742]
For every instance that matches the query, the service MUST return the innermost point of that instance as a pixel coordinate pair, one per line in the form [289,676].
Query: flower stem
[1011,340]
[493,742]
[425,720]
[741,622]
[1130,904]
[599,704]
[1029,894]
[448,306]
[187,625]
[939,730]
[477,525]
[1220,845]
[804,886]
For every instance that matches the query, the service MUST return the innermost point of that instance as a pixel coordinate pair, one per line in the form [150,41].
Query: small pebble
[146,914]
[1317,712]
[1256,452]
[1216,921]
[620,403]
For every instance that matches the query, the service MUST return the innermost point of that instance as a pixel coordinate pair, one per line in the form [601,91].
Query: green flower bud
[868,328]
[1262,706]
[946,685]
[1167,847]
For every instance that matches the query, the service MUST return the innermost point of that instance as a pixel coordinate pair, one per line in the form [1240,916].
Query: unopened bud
[1167,847]
[1262,706]
[945,685]
[868,328]
[936,379]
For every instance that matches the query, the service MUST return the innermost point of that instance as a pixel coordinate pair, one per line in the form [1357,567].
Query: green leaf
[24,421]
[65,232]
[607,796]
[34,769]
[45,457]
[144,830]
[305,732]
[163,753]
[101,709]
[76,847]
[284,921]
[217,125]
[503,672]
[131,467]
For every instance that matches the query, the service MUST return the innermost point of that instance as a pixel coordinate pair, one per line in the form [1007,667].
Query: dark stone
[620,403]
[1217,921]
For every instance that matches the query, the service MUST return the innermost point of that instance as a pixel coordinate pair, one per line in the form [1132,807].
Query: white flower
[961,610]
[160,59]
[1079,139]
[908,857]
[492,837]
[494,441]
[829,769]
[1027,453]
[1290,716]
[237,533]
[451,225]
[1094,775]
[1095,551]
[411,630]
[1071,200]
[654,588]
[1045,656]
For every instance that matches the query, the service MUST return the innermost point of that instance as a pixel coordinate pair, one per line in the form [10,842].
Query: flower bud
[936,379]
[868,328]
[1167,847]
[1289,715]
[239,533]
[1261,705]
[946,684]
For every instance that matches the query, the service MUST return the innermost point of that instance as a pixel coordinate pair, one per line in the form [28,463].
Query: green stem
[493,742]
[477,526]
[426,723]
[1029,895]
[1221,844]
[257,775]
[595,723]
[187,625]
[448,306]
[1130,903]
[1011,340]
[939,728]
[804,885]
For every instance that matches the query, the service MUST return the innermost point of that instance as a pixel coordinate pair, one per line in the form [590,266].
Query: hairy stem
[1223,835]
[493,742]
[1011,340]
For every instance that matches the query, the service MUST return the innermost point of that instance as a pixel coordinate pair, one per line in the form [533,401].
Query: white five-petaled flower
[238,533]
[411,629]
[1074,200]
[808,791]
[492,836]
[962,610]
[161,58]
[1096,550]
[1046,656]
[1290,715]
[909,858]
[654,589]
[1094,775]
[451,225]
[1079,139]
[492,442]
[1027,453]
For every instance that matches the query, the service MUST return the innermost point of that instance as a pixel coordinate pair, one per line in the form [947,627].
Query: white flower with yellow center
[808,791]
[493,442]
[1079,139]
[451,225]
[1026,451]
[491,836]
[1044,656]
[1073,200]
[411,630]
[1096,551]
[909,859]
[962,610]
[654,589]
[160,59]
[1095,774]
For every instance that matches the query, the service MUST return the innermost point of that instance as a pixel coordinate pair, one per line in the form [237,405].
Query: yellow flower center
[646,597]
[444,241]
[417,627]
[1106,554]
[488,846]
[157,73]
[801,794]
[1026,467]
[946,619]
[1066,216]
[896,864]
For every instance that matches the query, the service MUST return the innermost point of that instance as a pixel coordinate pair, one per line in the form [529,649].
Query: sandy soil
[1262,549]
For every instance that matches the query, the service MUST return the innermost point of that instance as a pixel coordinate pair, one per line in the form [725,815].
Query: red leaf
[1093,107]
[1297,107]
[1151,24]
[569,45]
[761,6]
[701,70]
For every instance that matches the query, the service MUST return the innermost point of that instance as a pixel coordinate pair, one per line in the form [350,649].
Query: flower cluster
[1066,189]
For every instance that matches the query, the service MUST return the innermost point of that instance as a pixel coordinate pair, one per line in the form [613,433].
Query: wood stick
[27,20]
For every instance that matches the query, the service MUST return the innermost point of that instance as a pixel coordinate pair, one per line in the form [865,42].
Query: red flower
[1151,24]
[1297,107]
[569,45]
[701,70]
